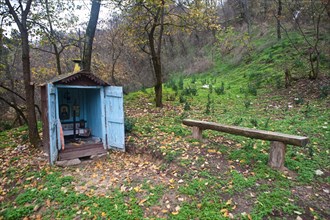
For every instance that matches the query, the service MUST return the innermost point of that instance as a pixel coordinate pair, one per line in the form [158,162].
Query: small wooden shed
[82,116]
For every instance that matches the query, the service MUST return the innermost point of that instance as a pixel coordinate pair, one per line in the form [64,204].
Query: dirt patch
[314,197]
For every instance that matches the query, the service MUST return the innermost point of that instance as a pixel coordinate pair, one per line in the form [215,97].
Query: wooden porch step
[73,152]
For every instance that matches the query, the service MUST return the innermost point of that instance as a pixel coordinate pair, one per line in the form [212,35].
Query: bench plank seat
[278,140]
[249,132]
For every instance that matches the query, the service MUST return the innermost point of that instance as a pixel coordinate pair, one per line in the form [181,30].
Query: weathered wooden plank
[248,132]
[81,151]
[277,155]
[197,132]
[74,147]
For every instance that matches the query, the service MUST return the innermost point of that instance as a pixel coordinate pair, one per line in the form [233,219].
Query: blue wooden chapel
[82,116]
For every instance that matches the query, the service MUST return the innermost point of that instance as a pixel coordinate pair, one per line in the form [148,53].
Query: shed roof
[78,78]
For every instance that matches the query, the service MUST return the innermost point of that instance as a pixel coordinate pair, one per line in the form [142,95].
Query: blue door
[114,117]
[52,123]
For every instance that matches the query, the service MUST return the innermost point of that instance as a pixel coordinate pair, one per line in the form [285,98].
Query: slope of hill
[166,174]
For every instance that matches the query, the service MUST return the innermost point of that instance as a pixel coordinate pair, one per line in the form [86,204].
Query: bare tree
[90,33]
[20,16]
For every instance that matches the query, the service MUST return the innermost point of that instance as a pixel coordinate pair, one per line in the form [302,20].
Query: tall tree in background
[246,14]
[279,14]
[148,21]
[20,16]
[90,33]
[51,28]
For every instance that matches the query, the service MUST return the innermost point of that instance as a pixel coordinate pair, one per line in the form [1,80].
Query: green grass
[240,95]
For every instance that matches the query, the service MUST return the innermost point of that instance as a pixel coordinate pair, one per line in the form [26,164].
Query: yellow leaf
[229,202]
[175,213]
[137,189]
[199,205]
[223,210]
[142,201]
[311,209]
[211,151]
[103,214]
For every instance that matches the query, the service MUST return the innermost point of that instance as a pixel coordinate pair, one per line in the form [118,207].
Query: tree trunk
[246,14]
[156,63]
[279,13]
[58,59]
[29,91]
[29,87]
[159,85]
[90,32]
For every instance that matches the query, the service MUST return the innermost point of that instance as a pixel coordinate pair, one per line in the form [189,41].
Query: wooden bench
[278,141]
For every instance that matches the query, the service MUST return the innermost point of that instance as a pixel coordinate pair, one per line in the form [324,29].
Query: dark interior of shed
[80,115]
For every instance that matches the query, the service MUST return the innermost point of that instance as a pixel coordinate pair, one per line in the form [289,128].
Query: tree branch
[18,110]
[19,96]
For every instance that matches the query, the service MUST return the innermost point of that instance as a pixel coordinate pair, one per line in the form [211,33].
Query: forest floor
[167,174]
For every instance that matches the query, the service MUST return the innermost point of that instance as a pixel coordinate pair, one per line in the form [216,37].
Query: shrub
[247,104]
[182,99]
[186,106]
[220,90]
[193,80]
[170,97]
[5,126]
[324,91]
[129,124]
[208,105]
[180,83]
[210,88]
[252,89]
[190,91]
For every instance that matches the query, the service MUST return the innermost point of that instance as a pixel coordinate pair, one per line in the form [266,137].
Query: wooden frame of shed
[82,116]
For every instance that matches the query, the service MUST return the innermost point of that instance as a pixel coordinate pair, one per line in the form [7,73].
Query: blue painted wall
[93,108]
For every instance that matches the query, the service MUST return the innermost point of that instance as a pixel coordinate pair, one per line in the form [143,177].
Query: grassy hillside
[166,174]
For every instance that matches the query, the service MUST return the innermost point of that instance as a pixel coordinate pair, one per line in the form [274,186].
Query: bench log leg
[277,155]
[197,133]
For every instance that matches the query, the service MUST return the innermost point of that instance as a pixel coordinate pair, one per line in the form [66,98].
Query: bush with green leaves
[220,90]
[252,89]
[182,99]
[210,88]
[247,103]
[186,106]
[208,105]
[324,91]
[129,124]
[189,91]
[180,83]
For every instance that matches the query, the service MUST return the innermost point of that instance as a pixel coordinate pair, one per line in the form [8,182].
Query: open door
[53,151]
[114,117]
